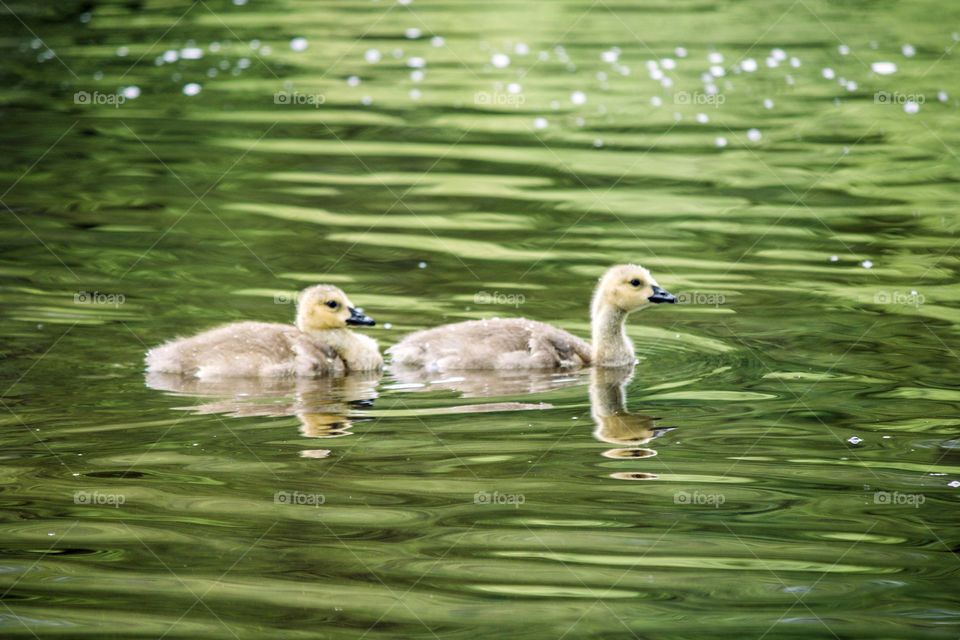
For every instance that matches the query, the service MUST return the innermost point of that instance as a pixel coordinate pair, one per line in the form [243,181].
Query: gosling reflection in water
[326,407]
[616,425]
[482,383]
[485,383]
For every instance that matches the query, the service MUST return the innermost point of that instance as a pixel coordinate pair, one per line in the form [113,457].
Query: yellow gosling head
[325,306]
[629,287]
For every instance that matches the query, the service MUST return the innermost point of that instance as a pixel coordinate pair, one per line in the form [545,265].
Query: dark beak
[358,317]
[662,295]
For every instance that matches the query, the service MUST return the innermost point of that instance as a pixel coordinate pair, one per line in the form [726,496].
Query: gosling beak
[662,295]
[359,317]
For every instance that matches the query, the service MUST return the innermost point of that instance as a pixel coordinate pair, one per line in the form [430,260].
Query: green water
[778,465]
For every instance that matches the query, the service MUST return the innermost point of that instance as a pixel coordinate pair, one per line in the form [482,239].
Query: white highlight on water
[883,68]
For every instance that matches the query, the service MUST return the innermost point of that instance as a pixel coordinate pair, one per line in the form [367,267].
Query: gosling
[319,345]
[519,343]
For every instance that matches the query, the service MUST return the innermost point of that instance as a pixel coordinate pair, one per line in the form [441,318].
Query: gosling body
[498,343]
[519,343]
[319,344]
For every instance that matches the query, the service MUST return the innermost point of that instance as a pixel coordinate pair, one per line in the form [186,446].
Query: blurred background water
[783,462]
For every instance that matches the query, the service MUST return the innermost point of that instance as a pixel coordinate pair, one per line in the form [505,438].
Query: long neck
[359,353]
[611,347]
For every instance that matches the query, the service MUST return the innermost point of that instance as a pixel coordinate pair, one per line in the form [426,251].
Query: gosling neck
[359,353]
[611,347]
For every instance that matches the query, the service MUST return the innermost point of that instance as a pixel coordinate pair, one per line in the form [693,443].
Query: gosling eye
[636,282]
[333,304]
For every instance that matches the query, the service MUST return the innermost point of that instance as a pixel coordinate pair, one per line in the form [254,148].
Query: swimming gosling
[519,343]
[319,345]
